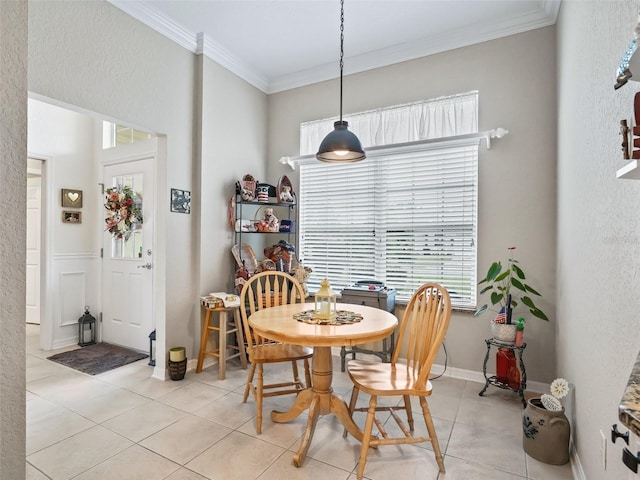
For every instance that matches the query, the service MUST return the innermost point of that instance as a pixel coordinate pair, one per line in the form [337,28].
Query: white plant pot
[504,332]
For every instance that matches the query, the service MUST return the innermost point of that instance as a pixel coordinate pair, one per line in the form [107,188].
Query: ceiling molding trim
[413,50]
[220,55]
[201,44]
[159,22]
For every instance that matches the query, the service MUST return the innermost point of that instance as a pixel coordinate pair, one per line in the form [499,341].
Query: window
[114,134]
[405,215]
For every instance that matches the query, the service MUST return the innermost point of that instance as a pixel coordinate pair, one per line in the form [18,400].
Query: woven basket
[177,369]
[262,227]
[245,252]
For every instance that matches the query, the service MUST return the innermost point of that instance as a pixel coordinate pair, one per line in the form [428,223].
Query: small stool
[224,327]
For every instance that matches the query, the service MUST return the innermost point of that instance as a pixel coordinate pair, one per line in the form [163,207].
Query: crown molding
[199,43]
[158,21]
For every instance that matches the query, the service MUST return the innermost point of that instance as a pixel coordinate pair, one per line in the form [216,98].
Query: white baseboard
[473,376]
[576,467]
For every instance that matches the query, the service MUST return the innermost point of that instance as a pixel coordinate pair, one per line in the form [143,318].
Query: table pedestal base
[320,400]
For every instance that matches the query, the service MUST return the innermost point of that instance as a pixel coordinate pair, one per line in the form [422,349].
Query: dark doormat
[98,358]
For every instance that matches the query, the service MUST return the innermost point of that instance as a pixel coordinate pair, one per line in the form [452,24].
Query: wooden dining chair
[422,330]
[264,290]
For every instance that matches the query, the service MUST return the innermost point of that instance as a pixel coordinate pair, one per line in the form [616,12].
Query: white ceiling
[280,44]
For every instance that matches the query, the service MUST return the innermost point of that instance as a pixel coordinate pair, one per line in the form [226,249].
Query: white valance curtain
[440,117]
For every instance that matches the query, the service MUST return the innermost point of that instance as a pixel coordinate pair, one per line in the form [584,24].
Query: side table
[493,379]
[224,327]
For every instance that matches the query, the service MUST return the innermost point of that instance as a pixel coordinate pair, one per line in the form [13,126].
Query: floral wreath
[124,211]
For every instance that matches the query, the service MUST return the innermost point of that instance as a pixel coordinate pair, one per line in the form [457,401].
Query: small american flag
[501,317]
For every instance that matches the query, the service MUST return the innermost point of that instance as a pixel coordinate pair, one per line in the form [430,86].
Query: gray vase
[545,433]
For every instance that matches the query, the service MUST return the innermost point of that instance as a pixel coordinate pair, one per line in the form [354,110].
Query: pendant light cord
[341,51]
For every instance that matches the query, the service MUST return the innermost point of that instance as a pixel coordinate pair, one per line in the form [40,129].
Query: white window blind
[404,216]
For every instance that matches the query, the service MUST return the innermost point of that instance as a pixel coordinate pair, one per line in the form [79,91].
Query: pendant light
[341,145]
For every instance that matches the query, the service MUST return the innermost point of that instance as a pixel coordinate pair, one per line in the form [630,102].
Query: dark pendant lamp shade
[340,146]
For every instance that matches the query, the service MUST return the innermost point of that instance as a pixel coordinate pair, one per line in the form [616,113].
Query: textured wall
[517,186]
[13,184]
[598,224]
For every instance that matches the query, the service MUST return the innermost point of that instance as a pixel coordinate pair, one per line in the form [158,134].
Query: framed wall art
[180,201]
[71,216]
[71,198]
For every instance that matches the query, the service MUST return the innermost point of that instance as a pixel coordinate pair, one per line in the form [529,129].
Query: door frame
[46,283]
[156,149]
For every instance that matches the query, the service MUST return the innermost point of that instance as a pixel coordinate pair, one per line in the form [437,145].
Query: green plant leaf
[496,297]
[530,289]
[518,271]
[481,310]
[529,303]
[494,270]
[516,283]
[539,314]
[502,276]
[486,289]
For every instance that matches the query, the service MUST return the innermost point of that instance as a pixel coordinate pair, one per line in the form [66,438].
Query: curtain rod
[486,135]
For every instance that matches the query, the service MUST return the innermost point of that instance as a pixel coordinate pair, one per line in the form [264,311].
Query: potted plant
[508,289]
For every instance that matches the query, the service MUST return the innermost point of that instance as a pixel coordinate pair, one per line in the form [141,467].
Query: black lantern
[86,320]
[152,357]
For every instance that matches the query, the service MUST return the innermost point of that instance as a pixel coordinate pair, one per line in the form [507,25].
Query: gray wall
[517,195]
[598,224]
[212,123]
[13,184]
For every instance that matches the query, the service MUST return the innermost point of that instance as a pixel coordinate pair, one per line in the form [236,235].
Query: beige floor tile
[69,387]
[33,473]
[78,453]
[481,445]
[490,416]
[128,374]
[193,396]
[283,468]
[228,411]
[154,388]
[541,471]
[185,474]
[48,423]
[107,406]
[141,422]
[185,439]
[236,457]
[328,446]
[198,428]
[285,435]
[134,463]
[399,462]
[457,469]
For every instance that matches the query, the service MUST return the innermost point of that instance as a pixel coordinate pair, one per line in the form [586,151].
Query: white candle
[177,354]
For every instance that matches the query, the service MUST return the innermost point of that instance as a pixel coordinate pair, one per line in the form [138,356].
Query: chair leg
[307,373]
[432,433]
[259,388]
[407,407]
[366,435]
[252,370]
[296,375]
[352,405]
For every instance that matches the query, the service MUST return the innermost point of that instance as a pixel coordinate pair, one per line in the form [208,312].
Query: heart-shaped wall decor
[73,196]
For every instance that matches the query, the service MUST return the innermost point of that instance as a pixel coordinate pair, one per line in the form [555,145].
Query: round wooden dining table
[278,323]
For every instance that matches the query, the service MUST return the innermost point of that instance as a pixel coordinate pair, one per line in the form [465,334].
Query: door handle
[146,265]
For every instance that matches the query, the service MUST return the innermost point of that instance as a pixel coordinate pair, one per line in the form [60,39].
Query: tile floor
[123,424]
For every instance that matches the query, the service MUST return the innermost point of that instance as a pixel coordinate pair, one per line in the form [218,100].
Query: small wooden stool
[224,327]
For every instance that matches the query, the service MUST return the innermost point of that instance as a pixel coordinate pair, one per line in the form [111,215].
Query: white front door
[127,280]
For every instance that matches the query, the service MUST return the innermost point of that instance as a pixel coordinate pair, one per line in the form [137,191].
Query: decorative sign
[71,198]
[180,201]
